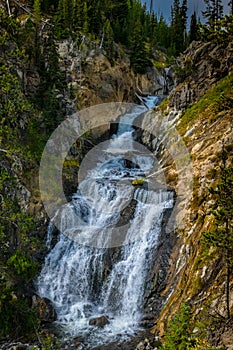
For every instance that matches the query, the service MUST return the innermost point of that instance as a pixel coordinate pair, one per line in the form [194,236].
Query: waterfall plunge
[84,281]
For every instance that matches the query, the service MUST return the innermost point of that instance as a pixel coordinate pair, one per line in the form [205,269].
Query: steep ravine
[179,271]
[108,84]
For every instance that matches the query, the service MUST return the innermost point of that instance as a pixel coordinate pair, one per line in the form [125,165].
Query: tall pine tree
[178,26]
[138,55]
[231,6]
[213,11]
[193,34]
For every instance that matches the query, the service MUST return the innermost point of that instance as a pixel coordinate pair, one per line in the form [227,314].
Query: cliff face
[94,79]
[201,66]
[187,133]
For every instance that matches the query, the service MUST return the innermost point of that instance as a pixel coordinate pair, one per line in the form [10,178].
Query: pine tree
[85,19]
[139,56]
[78,6]
[219,9]
[193,34]
[213,11]
[163,33]
[109,41]
[37,12]
[120,10]
[221,236]
[96,18]
[37,18]
[64,18]
[183,13]
[231,6]
[178,26]
[179,334]
[153,30]
[184,17]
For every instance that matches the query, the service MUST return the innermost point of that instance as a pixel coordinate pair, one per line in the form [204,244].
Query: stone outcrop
[94,79]
[200,67]
[44,309]
[99,322]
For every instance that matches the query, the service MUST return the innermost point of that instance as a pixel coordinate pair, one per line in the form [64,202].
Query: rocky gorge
[186,133]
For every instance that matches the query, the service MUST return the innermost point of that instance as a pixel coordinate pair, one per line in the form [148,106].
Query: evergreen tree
[178,26]
[96,18]
[109,41]
[163,34]
[213,11]
[231,6]
[221,236]
[120,11]
[178,336]
[183,14]
[85,28]
[193,34]
[64,18]
[153,30]
[138,56]
[37,18]
[37,12]
[78,18]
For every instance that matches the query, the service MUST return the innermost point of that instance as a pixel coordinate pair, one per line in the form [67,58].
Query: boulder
[44,309]
[99,321]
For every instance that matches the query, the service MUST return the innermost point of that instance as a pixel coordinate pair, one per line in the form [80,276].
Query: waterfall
[82,276]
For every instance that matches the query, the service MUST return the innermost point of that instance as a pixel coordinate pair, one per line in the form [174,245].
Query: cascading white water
[85,280]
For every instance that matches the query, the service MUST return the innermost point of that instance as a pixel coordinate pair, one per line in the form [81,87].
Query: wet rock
[99,321]
[44,308]
[145,345]
[127,213]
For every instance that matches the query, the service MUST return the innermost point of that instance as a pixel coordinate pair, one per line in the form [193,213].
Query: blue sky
[164,6]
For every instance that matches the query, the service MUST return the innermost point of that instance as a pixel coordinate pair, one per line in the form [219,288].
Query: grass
[218,99]
[138,182]
[159,65]
[163,107]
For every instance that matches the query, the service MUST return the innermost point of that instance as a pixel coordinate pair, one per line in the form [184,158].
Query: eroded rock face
[44,309]
[188,277]
[99,321]
[95,80]
[201,67]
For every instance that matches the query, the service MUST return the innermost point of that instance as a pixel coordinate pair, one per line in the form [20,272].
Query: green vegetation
[164,106]
[213,11]
[180,334]
[219,32]
[18,240]
[17,267]
[49,342]
[221,235]
[138,182]
[210,106]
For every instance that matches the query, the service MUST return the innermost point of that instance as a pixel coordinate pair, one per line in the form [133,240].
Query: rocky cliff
[94,79]
[187,133]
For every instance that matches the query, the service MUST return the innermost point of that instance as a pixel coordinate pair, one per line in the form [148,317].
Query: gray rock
[44,309]
[99,321]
